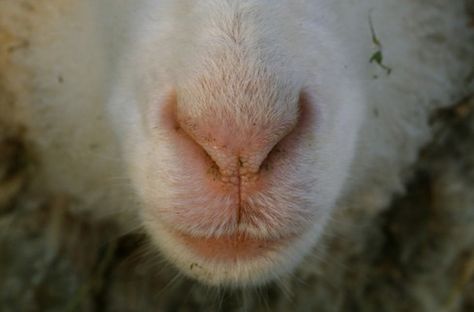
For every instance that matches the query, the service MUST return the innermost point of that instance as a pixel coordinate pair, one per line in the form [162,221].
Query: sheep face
[238,122]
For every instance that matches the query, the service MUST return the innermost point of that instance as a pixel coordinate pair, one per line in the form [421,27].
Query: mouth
[232,259]
[239,247]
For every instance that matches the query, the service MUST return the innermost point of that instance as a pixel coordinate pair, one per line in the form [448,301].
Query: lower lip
[232,247]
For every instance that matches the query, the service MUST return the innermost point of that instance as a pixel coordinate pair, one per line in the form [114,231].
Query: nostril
[233,142]
[292,134]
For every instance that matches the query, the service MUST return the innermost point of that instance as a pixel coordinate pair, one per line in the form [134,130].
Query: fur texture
[103,81]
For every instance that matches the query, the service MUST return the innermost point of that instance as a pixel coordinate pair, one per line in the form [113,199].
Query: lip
[230,248]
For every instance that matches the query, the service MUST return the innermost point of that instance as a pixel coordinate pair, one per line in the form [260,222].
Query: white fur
[121,59]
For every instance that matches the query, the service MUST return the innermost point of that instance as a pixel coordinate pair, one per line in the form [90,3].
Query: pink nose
[239,145]
[232,172]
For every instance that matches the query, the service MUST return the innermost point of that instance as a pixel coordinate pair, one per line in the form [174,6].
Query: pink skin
[236,172]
